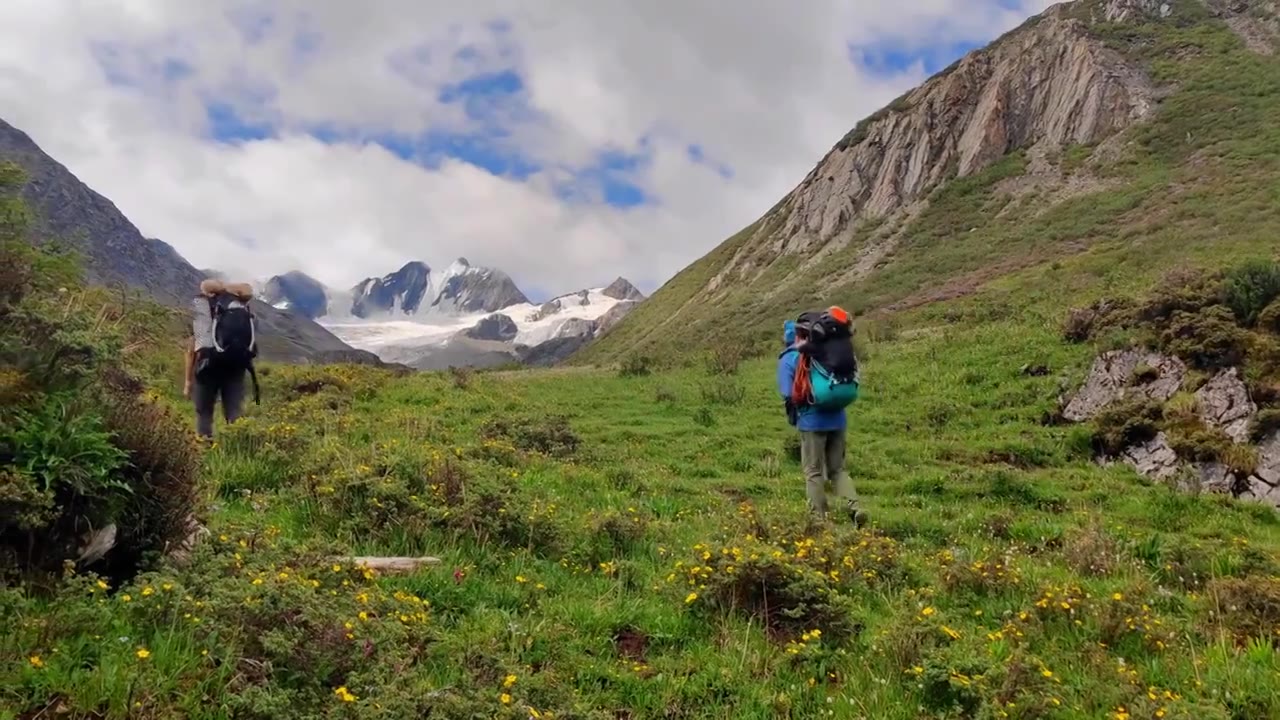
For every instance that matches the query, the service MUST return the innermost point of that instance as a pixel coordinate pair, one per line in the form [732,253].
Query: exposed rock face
[1269,460]
[477,289]
[1120,372]
[1154,458]
[1224,403]
[614,315]
[1257,23]
[576,327]
[1049,84]
[622,289]
[302,293]
[496,327]
[554,351]
[116,253]
[401,290]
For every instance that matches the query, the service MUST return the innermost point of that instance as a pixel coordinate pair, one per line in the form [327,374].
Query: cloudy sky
[565,141]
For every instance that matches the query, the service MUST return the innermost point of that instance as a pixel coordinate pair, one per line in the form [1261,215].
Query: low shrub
[549,435]
[636,366]
[1250,289]
[1129,421]
[1247,608]
[1208,339]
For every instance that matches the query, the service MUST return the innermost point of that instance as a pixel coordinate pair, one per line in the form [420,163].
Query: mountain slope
[1098,143]
[117,254]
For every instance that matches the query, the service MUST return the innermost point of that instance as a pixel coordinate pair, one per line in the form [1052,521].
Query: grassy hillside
[1198,184]
[636,547]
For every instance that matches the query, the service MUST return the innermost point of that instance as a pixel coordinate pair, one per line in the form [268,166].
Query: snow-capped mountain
[466,315]
[296,291]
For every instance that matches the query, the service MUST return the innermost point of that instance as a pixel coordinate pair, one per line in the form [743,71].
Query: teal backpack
[829,391]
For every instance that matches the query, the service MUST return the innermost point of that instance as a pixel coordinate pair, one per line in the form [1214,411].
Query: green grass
[601,575]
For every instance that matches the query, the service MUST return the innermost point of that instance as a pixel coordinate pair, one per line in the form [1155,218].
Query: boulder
[1216,478]
[1269,459]
[1224,403]
[1118,373]
[1154,458]
[497,327]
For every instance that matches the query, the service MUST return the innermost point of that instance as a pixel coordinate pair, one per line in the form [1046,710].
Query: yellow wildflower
[345,695]
[509,681]
[505,698]
[692,596]
[35,661]
[143,653]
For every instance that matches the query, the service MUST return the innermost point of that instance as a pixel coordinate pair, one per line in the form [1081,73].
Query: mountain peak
[622,289]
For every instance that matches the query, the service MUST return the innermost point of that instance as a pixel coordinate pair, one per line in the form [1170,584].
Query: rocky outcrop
[553,352]
[554,306]
[622,289]
[1119,373]
[402,290]
[576,327]
[496,327]
[614,315]
[1050,84]
[468,289]
[1224,403]
[1153,458]
[297,291]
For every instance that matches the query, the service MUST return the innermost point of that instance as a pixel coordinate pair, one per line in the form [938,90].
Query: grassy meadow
[634,545]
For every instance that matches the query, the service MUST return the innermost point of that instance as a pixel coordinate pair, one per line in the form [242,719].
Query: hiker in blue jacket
[822,432]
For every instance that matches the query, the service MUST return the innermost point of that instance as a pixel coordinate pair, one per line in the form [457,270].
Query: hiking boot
[858,517]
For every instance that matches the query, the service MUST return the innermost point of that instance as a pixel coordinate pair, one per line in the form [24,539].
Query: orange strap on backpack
[802,386]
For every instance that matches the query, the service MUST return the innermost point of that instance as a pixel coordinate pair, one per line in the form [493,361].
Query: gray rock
[1154,458]
[554,351]
[1224,403]
[1112,378]
[1269,459]
[1215,478]
[576,327]
[403,290]
[477,289]
[622,289]
[495,327]
[1263,492]
[549,308]
[614,315]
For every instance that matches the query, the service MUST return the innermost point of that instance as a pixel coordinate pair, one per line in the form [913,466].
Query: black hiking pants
[205,393]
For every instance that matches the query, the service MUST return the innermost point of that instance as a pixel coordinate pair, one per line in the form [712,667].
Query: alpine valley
[465,315]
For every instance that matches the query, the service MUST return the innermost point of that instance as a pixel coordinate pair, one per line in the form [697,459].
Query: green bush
[80,445]
[1208,339]
[1126,422]
[636,366]
[1251,288]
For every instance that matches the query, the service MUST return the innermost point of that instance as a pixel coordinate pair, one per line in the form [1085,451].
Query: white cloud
[763,87]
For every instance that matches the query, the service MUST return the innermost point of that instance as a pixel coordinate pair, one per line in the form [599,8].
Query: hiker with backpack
[818,378]
[223,345]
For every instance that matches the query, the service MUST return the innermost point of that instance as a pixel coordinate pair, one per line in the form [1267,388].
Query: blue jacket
[810,420]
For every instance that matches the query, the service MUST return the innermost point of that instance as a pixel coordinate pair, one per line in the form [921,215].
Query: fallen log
[391,565]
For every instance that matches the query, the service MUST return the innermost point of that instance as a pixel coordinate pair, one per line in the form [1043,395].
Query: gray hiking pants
[205,394]
[822,455]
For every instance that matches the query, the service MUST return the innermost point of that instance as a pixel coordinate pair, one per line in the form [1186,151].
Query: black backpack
[830,344]
[235,337]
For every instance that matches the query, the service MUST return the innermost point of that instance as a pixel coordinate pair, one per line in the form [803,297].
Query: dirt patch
[631,644]
[1261,35]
